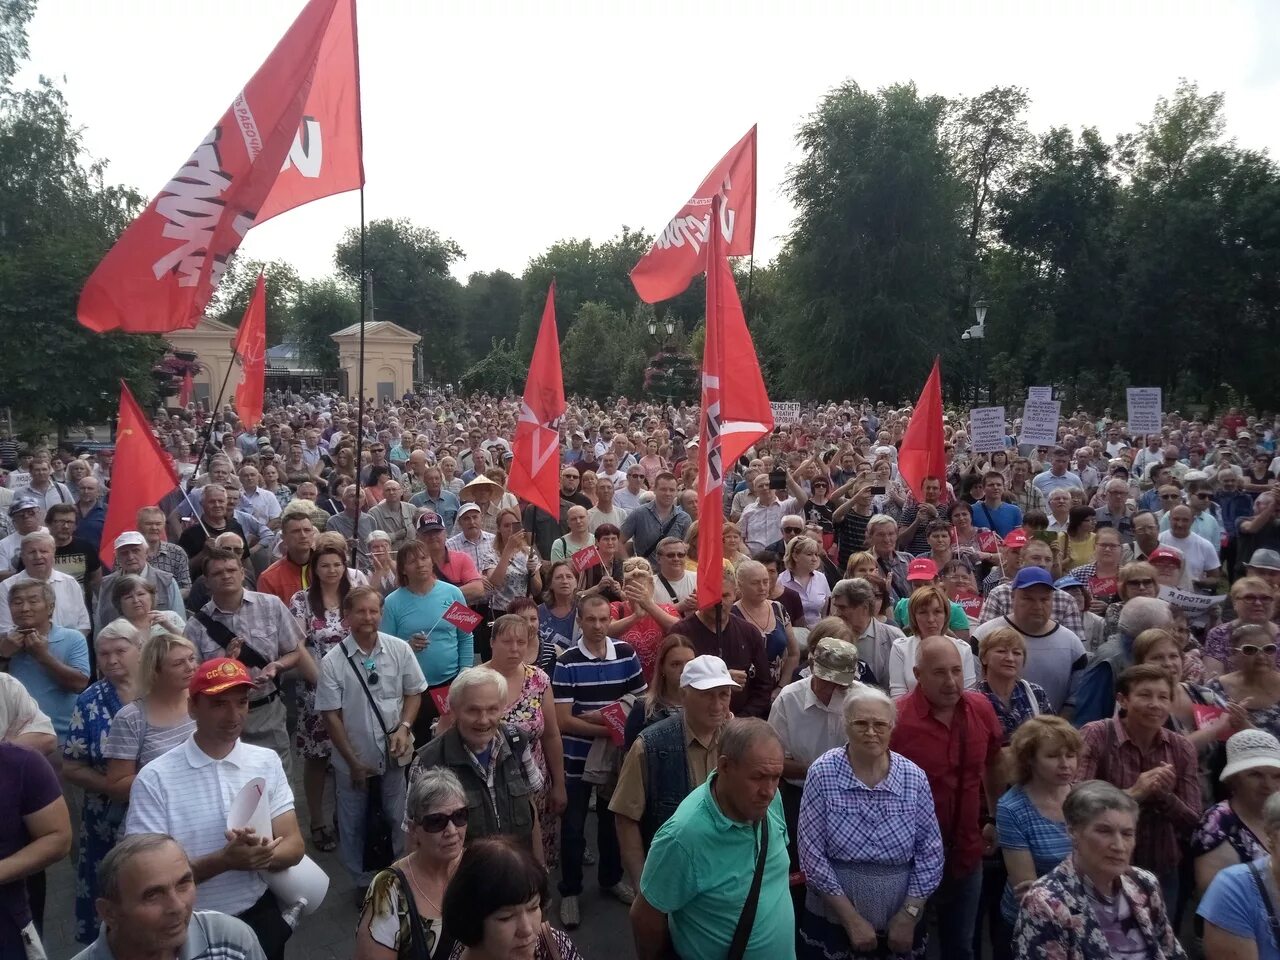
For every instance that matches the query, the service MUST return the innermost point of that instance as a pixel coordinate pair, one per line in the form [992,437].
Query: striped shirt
[587,684]
[210,936]
[187,794]
[1065,609]
[1021,826]
[173,560]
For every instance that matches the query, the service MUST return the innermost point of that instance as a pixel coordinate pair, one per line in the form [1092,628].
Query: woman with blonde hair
[639,619]
[1003,655]
[664,695]
[860,564]
[928,610]
[803,574]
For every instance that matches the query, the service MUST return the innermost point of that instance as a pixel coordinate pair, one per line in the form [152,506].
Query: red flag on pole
[735,406]
[680,252]
[922,454]
[142,475]
[535,469]
[187,391]
[163,269]
[251,348]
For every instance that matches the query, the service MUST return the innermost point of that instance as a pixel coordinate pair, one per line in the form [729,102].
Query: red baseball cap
[922,568]
[220,675]
[1165,555]
[1016,539]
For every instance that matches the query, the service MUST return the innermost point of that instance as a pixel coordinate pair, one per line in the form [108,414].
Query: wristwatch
[405,724]
[911,910]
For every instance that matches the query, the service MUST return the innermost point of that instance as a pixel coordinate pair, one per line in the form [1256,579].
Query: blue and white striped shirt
[589,684]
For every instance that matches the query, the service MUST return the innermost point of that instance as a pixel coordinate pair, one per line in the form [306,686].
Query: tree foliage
[490,305]
[320,309]
[232,297]
[604,353]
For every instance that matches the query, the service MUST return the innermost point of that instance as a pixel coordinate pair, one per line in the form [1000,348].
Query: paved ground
[329,933]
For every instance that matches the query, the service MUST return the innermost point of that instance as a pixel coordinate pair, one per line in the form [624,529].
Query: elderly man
[953,735]
[696,887]
[161,554]
[674,582]
[627,495]
[91,513]
[37,561]
[1199,554]
[882,541]
[854,601]
[436,498]
[146,902]
[27,516]
[653,522]
[365,669]
[354,524]
[605,510]
[669,759]
[260,503]
[454,566]
[187,794]
[1115,512]
[215,519]
[1095,697]
[257,630]
[131,558]
[393,515]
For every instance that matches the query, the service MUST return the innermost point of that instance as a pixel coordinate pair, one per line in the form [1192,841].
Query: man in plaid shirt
[1016,553]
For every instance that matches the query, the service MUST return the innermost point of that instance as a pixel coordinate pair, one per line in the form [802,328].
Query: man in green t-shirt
[699,871]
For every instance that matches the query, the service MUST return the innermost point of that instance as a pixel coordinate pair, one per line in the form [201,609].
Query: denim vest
[507,809]
[667,774]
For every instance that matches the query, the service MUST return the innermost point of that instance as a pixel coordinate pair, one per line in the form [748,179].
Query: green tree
[410,285]
[232,297]
[870,269]
[57,220]
[490,305]
[322,308]
[14,17]
[500,371]
[604,353]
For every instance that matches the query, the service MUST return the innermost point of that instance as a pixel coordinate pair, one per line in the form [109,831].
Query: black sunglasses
[436,822]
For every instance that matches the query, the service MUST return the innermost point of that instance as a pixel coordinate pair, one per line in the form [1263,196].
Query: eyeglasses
[793,530]
[1170,496]
[1255,598]
[878,726]
[1252,649]
[436,822]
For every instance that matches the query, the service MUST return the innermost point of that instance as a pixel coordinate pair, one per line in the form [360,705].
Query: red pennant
[462,617]
[251,348]
[187,391]
[163,269]
[922,453]
[681,251]
[141,476]
[735,407]
[535,467]
[586,558]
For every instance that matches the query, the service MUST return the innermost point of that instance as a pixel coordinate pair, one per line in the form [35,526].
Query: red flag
[142,475]
[535,469]
[251,348]
[921,454]
[462,617]
[187,391]
[163,269]
[680,252]
[327,155]
[735,407]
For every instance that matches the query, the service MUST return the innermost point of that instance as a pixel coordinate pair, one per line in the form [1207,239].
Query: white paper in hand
[305,880]
[251,808]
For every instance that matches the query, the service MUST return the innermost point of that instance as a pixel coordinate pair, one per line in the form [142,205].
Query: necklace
[752,617]
[413,877]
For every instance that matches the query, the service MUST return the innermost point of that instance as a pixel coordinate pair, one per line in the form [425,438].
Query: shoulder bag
[419,948]
[747,919]
[378,849]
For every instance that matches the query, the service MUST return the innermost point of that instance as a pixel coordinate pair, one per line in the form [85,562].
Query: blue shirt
[447,505]
[1005,517]
[1232,903]
[89,527]
[1046,483]
[69,647]
[1020,826]
[451,650]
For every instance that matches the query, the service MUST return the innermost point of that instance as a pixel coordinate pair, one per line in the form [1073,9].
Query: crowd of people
[1028,710]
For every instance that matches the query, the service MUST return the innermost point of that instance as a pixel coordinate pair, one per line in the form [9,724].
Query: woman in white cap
[1233,831]
[1240,907]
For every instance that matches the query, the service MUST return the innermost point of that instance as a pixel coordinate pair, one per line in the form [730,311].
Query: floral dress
[1220,825]
[526,714]
[323,634]
[102,819]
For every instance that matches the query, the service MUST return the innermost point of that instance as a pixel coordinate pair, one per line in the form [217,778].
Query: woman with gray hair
[135,598]
[401,915]
[854,601]
[1096,905]
[870,846]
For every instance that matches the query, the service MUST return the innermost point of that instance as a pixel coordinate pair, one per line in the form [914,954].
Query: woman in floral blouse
[1095,905]
[84,765]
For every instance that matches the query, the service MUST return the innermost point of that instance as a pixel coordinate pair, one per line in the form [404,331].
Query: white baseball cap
[130,538]
[706,673]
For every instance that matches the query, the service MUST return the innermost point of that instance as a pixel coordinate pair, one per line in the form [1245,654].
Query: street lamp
[668,325]
[977,332]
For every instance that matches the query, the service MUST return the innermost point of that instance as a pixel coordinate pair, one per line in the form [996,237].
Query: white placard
[1191,603]
[785,413]
[19,479]
[251,809]
[1039,393]
[1144,409]
[986,429]
[1040,422]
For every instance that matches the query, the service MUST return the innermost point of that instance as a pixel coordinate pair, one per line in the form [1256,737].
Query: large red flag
[163,269]
[735,408]
[679,253]
[922,453]
[251,348]
[142,475]
[535,469]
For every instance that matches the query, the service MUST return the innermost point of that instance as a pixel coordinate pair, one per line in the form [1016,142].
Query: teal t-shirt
[699,873]
[959,619]
[451,650]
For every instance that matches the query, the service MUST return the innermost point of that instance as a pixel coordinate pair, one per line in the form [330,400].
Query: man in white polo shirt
[187,793]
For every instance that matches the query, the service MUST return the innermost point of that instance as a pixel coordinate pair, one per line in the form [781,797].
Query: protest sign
[462,617]
[19,479]
[1039,393]
[986,429]
[1192,603]
[1040,422]
[988,540]
[1144,409]
[586,558]
[785,413]
[1104,588]
[971,603]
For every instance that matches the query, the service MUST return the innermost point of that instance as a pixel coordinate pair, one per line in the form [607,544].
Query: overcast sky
[510,125]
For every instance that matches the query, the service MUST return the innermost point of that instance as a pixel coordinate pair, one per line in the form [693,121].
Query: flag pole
[364,280]
[751,273]
[213,416]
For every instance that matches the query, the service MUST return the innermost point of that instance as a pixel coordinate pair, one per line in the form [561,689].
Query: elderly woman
[804,575]
[1137,579]
[495,904]
[1095,905]
[1240,907]
[401,918]
[1003,654]
[1044,755]
[770,618]
[135,598]
[85,764]
[52,662]
[501,799]
[1163,649]
[928,612]
[639,619]
[856,602]
[382,562]
[734,547]
[664,695]
[1234,831]
[1255,679]
[1253,600]
[867,883]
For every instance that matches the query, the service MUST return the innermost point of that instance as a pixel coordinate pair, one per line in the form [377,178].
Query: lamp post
[670,327]
[977,332]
